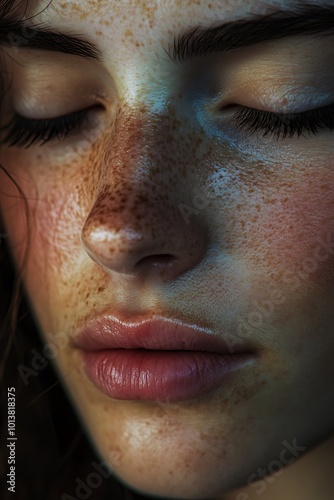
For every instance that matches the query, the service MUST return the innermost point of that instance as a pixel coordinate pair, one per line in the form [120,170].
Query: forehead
[143,20]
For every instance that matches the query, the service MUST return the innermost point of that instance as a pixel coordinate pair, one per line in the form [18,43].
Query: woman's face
[161,205]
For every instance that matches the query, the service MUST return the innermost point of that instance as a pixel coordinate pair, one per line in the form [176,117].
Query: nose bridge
[137,167]
[137,155]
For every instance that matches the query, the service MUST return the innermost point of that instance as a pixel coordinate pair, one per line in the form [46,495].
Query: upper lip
[159,333]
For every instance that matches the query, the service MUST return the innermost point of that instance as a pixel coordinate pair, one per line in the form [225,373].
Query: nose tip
[127,251]
[107,247]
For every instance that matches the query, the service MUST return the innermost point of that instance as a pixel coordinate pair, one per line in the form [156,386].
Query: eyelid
[55,84]
[55,116]
[277,102]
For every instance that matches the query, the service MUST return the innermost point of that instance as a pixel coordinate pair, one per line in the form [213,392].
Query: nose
[141,238]
[135,226]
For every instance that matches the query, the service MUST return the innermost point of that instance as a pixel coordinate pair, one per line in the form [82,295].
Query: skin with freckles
[118,225]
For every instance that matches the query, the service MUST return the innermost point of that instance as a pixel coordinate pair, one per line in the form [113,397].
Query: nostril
[162,260]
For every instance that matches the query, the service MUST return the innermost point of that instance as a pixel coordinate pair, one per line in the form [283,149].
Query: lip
[156,359]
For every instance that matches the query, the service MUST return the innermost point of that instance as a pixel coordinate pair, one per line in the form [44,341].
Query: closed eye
[281,125]
[23,132]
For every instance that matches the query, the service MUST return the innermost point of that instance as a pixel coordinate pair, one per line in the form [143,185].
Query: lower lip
[166,376]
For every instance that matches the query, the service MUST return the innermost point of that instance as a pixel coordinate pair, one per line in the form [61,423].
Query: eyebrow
[303,19]
[21,33]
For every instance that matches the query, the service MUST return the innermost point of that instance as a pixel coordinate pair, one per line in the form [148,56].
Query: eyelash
[285,125]
[23,132]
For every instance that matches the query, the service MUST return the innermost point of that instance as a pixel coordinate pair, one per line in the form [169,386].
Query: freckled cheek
[292,232]
[52,229]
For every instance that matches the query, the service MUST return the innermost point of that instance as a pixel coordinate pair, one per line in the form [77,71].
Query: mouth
[157,359]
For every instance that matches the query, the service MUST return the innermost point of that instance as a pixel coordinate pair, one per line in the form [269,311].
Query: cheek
[276,228]
[283,222]
[289,240]
[296,222]
[59,197]
[43,227]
